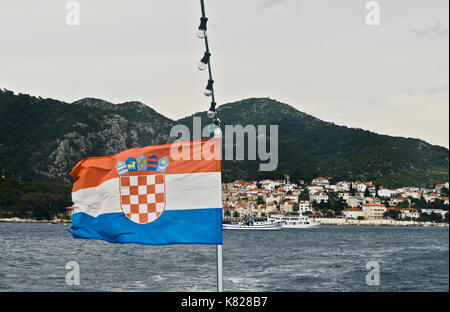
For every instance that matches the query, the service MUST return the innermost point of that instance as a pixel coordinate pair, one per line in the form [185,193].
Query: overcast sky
[316,55]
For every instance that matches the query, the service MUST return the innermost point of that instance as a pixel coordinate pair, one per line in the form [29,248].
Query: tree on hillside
[438,204]
[260,200]
[377,188]
[322,205]
[420,203]
[403,204]
[304,195]
[340,205]
[433,217]
[393,214]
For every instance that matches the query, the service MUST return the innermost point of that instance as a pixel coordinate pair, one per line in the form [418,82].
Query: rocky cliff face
[49,137]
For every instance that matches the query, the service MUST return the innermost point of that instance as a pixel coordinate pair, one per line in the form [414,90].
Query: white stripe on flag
[183,192]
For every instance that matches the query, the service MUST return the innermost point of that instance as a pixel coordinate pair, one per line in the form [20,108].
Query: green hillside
[43,139]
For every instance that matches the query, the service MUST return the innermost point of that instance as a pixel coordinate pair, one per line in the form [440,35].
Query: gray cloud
[439,89]
[318,56]
[437,30]
[266,4]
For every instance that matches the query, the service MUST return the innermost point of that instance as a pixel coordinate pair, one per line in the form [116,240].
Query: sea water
[33,257]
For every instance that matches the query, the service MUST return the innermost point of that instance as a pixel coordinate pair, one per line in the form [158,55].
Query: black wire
[213,103]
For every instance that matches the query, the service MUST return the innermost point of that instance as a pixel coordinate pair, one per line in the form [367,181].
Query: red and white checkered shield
[143,198]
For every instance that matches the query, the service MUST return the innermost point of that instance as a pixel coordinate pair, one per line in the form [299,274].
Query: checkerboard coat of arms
[142,188]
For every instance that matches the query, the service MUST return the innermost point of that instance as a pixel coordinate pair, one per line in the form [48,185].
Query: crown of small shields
[142,163]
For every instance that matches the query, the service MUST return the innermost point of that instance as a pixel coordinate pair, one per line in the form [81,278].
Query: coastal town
[322,200]
[335,202]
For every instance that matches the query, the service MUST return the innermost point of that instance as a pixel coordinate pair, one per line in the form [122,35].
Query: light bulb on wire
[212,110]
[209,88]
[215,130]
[218,133]
[201,33]
[204,61]
[211,114]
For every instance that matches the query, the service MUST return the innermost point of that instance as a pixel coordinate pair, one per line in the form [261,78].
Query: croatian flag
[146,196]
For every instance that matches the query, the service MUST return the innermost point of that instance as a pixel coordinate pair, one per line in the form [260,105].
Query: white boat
[294,221]
[259,226]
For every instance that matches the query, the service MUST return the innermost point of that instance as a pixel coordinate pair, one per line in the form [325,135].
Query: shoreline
[18,220]
[323,221]
[376,222]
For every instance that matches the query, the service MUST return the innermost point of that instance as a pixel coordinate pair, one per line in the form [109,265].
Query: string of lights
[205,63]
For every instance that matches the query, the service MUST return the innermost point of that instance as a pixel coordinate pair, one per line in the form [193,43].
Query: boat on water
[252,225]
[294,221]
[57,221]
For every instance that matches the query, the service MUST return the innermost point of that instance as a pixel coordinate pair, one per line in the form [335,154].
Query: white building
[331,188]
[304,206]
[430,211]
[292,198]
[320,181]
[431,196]
[288,206]
[273,198]
[319,196]
[268,186]
[314,189]
[409,213]
[353,213]
[343,186]
[345,196]
[361,187]
[373,210]
[289,187]
[373,200]
[399,200]
[355,201]
[386,193]
[371,188]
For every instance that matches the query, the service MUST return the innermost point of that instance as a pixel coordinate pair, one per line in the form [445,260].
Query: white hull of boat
[294,222]
[301,226]
[257,227]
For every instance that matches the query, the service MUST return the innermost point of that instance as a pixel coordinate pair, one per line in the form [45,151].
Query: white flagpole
[216,133]
[219,268]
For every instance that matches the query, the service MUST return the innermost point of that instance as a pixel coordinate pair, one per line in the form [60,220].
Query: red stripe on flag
[93,171]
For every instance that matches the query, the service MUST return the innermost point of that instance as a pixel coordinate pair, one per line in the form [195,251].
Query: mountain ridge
[59,134]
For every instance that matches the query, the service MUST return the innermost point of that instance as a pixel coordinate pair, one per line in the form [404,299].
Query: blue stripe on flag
[194,226]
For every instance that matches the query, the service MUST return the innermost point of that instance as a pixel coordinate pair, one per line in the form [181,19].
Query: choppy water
[333,258]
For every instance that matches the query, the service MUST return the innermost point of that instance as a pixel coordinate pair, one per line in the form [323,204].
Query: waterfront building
[439,211]
[409,213]
[373,210]
[353,213]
